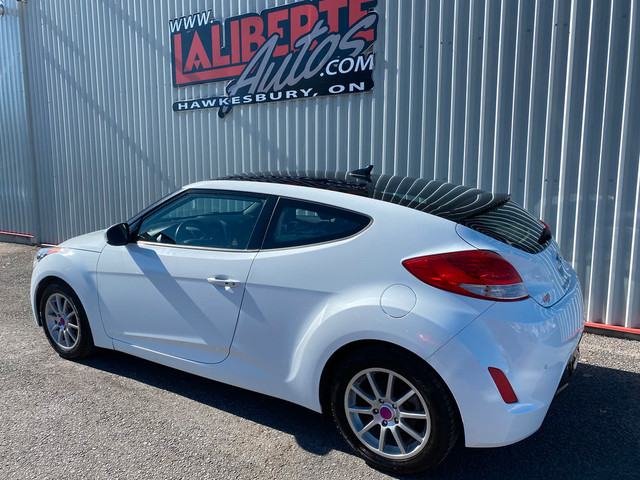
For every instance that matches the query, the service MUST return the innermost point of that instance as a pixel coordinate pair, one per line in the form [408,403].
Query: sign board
[301,50]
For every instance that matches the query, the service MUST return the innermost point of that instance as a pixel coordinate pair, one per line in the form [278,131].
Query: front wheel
[64,322]
[393,410]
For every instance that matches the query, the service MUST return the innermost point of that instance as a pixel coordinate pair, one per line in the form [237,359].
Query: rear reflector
[504,387]
[474,273]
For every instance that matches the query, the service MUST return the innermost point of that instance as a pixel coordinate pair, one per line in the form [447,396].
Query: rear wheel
[393,410]
[64,322]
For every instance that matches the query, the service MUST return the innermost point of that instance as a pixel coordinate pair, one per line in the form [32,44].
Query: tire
[64,322]
[416,418]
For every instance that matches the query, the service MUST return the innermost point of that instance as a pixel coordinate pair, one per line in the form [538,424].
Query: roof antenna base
[364,173]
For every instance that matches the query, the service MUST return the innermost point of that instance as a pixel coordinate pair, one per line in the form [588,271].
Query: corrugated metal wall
[538,98]
[16,187]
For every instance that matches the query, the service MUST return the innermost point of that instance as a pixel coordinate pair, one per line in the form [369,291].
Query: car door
[177,287]
[312,254]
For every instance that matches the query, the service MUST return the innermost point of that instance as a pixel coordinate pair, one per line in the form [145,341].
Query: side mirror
[118,234]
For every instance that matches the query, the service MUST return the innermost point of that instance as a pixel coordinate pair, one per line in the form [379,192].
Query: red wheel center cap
[62,321]
[386,413]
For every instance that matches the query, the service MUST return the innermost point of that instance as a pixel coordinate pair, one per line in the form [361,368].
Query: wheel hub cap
[386,412]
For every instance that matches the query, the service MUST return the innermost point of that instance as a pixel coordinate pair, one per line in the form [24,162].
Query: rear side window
[296,223]
[510,224]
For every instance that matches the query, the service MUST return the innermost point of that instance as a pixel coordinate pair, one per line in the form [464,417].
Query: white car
[412,312]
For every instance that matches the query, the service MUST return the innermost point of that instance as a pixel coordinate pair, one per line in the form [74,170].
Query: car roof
[446,200]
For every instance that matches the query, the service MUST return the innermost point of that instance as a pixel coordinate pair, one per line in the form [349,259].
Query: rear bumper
[532,345]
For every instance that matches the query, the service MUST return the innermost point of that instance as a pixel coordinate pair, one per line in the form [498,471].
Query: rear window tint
[510,224]
[296,223]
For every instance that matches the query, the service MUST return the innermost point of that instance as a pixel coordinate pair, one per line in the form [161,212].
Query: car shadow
[311,431]
[592,429]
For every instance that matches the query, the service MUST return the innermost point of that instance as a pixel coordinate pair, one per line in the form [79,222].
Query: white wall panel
[537,98]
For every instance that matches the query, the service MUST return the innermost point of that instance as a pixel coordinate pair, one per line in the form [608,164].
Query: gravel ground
[116,416]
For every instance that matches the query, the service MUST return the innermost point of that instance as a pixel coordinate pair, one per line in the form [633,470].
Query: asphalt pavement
[116,416]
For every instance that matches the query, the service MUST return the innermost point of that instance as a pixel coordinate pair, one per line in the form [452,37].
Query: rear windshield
[513,225]
[493,214]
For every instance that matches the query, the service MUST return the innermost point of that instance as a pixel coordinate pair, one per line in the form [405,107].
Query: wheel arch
[41,287]
[76,274]
[350,348]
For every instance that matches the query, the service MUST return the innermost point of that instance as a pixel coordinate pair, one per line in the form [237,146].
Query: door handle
[223,282]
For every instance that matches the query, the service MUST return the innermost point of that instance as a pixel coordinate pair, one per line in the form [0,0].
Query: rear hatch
[526,243]
[487,221]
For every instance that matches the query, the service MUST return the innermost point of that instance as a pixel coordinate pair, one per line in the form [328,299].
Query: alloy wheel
[387,413]
[62,321]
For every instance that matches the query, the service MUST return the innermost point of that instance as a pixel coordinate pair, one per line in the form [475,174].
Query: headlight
[43,252]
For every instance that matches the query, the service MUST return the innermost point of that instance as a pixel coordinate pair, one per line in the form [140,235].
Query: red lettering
[197,55]
[234,28]
[177,60]
[217,59]
[356,12]
[251,29]
[309,14]
[203,75]
[332,7]
[234,47]
[273,26]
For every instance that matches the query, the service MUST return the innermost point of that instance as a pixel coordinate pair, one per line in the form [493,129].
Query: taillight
[475,273]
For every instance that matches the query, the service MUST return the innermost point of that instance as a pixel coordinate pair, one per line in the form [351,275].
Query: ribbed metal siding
[15,168]
[541,99]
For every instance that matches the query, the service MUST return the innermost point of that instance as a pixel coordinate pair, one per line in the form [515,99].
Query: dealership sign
[301,50]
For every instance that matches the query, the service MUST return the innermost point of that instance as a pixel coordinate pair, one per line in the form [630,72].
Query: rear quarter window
[297,223]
